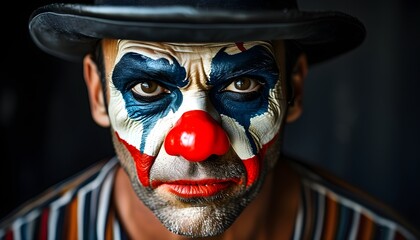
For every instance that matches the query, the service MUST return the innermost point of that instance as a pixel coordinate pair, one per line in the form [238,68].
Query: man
[196,94]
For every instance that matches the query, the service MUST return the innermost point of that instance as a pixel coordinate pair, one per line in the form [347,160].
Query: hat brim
[70,31]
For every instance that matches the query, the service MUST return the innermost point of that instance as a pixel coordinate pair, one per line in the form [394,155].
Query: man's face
[194,126]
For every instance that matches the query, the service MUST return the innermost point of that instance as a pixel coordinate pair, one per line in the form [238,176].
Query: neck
[272,213]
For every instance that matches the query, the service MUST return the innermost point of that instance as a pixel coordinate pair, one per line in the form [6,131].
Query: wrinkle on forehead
[113,47]
[196,58]
[173,50]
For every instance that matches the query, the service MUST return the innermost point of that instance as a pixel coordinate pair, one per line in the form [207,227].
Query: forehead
[114,50]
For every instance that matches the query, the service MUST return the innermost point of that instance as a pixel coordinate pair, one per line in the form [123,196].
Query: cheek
[120,120]
[251,144]
[265,127]
[132,141]
[249,135]
[142,162]
[143,130]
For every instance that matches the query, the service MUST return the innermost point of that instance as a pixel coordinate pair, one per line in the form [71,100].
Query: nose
[196,136]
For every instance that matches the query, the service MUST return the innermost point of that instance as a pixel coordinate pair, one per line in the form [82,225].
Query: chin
[199,217]
[202,221]
[196,217]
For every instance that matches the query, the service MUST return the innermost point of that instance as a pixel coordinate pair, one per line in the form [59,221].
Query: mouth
[195,188]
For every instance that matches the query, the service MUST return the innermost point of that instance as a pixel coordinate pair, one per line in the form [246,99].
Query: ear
[95,91]
[300,70]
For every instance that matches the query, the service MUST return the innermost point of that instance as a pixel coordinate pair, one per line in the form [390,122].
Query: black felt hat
[69,31]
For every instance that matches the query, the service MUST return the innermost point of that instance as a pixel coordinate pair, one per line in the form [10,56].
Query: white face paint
[167,100]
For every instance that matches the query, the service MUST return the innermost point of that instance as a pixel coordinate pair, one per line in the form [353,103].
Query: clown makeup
[192,123]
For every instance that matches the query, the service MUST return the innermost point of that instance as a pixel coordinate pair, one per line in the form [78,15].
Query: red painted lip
[195,188]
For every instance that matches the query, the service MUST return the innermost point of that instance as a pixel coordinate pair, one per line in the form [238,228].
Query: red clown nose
[196,136]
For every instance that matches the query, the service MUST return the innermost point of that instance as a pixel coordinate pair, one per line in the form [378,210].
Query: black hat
[69,31]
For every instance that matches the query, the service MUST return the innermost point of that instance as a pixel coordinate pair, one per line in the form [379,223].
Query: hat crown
[70,31]
[207,4]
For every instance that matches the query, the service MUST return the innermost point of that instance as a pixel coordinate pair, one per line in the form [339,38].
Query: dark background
[361,110]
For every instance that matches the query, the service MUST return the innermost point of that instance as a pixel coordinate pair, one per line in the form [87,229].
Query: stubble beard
[198,217]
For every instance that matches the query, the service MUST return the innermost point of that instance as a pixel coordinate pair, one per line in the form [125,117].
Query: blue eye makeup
[255,67]
[149,86]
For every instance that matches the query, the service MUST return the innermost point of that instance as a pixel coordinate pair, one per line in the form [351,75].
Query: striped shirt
[81,208]
[78,208]
[332,209]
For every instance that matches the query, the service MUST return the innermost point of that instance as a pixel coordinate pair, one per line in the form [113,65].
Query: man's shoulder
[60,196]
[344,209]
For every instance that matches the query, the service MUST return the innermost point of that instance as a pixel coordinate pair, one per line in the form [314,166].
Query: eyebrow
[256,60]
[137,67]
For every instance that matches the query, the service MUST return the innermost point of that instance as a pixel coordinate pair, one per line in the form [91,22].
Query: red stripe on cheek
[143,162]
[253,165]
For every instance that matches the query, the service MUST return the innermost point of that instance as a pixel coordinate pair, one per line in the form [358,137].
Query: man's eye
[244,85]
[148,89]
